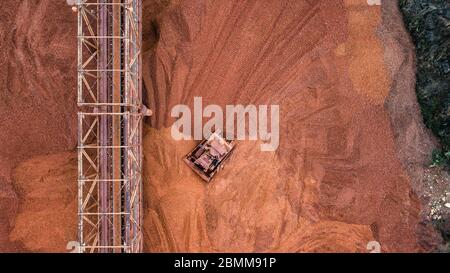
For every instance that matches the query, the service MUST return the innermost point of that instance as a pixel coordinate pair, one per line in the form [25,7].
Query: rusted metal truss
[109,125]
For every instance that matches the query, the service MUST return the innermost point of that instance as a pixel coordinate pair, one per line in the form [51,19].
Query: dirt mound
[37,84]
[38,79]
[337,161]
[47,217]
[242,210]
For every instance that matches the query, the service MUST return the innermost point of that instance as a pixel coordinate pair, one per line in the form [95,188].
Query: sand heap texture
[48,200]
[37,92]
[337,180]
[336,171]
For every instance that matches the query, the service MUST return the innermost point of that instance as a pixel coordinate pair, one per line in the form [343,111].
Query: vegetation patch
[428,22]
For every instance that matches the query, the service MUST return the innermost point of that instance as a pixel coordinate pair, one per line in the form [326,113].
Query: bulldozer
[210,156]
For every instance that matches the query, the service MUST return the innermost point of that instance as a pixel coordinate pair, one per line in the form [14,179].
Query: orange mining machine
[210,156]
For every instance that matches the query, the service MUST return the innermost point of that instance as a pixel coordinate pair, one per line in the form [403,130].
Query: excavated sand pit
[337,180]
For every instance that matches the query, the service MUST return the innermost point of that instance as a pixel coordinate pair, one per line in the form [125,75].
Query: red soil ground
[337,180]
[37,91]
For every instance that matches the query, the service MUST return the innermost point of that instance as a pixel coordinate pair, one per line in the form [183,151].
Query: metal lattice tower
[109,125]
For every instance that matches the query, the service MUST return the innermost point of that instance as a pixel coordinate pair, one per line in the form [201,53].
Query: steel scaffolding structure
[109,125]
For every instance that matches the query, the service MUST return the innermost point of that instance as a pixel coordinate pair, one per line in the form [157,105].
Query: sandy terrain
[345,171]
[337,160]
[44,211]
[37,90]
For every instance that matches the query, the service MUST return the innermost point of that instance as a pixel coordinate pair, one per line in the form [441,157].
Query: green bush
[440,158]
